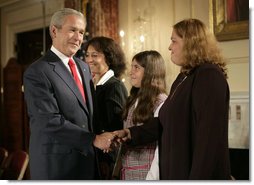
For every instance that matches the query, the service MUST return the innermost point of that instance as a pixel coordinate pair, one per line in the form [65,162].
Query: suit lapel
[66,76]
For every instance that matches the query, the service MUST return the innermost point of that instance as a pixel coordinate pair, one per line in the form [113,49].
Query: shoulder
[207,71]
[208,76]
[208,67]
[43,62]
[115,82]
[37,67]
[113,85]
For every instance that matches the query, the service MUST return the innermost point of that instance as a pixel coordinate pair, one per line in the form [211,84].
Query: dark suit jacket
[192,128]
[60,122]
[110,100]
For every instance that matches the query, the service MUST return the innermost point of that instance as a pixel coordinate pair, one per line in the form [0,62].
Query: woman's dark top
[192,127]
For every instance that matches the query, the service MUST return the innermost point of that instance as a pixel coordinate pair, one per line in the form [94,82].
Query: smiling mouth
[73,44]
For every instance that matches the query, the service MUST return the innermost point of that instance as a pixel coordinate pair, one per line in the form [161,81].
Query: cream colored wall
[237,52]
[157,29]
[163,14]
[160,15]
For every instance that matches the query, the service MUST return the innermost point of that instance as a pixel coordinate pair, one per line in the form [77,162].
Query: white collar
[63,57]
[106,77]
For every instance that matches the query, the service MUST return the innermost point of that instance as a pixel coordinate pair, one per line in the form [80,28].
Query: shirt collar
[63,57]
[106,77]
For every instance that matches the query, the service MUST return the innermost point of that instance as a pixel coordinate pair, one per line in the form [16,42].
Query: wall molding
[7,2]
[238,60]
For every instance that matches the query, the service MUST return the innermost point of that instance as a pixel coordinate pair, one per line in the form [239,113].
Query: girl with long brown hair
[148,92]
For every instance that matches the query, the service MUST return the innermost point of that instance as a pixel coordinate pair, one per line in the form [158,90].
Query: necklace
[173,93]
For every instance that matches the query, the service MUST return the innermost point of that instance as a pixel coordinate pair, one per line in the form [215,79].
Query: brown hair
[200,46]
[152,84]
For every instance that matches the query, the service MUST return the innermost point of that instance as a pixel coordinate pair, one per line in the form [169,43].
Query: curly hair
[153,83]
[200,46]
[113,53]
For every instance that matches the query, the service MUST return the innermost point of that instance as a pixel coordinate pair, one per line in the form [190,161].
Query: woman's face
[136,74]
[176,48]
[96,60]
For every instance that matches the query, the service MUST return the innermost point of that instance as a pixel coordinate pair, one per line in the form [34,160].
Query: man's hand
[104,141]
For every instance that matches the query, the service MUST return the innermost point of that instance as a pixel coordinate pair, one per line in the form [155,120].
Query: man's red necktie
[74,72]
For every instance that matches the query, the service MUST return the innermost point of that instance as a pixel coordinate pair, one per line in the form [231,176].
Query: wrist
[95,140]
[128,133]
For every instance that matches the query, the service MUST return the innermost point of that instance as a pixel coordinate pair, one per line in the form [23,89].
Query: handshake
[107,141]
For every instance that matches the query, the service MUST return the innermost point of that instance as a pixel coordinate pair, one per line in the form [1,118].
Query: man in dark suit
[62,140]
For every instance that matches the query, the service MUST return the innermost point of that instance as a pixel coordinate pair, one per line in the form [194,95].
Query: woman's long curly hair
[152,84]
[200,46]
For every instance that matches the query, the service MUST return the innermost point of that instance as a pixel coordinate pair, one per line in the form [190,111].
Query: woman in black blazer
[107,63]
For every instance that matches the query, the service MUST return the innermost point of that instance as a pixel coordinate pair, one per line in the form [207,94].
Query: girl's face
[136,74]
[96,61]
[176,48]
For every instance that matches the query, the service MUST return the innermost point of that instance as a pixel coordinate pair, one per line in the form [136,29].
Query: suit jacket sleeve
[146,133]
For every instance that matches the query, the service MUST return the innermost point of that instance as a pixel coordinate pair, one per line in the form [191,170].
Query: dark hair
[152,84]
[113,53]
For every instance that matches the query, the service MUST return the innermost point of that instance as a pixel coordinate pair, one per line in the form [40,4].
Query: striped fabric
[136,162]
